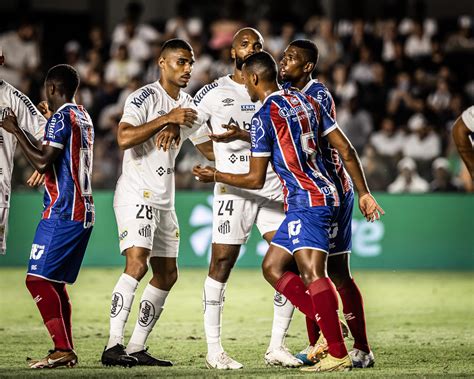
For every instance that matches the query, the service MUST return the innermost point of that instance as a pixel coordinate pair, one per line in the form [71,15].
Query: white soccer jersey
[227,102]
[29,118]
[148,173]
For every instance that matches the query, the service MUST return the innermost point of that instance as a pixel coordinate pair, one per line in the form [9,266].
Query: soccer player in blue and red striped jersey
[296,67]
[286,131]
[65,156]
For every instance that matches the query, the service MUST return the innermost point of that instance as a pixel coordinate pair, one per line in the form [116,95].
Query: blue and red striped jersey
[286,129]
[68,191]
[332,160]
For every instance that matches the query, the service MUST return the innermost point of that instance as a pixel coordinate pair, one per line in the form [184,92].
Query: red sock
[312,328]
[49,305]
[353,308]
[66,309]
[325,303]
[294,290]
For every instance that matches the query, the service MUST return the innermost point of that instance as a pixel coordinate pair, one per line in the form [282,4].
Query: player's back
[332,160]
[287,128]
[68,191]
[225,102]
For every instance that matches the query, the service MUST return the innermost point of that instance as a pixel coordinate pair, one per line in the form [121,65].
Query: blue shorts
[306,228]
[340,235]
[58,249]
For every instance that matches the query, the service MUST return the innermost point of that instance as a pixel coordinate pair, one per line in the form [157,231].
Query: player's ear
[254,79]
[309,67]
[232,53]
[161,62]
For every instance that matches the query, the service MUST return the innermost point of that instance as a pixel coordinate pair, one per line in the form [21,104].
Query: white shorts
[3,229]
[148,227]
[233,218]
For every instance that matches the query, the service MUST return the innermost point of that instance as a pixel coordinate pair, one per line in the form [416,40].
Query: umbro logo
[228,102]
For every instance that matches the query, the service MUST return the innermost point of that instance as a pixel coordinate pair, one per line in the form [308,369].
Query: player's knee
[270,273]
[136,268]
[221,267]
[309,276]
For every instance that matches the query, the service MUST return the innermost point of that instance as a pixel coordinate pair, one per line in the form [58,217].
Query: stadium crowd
[398,85]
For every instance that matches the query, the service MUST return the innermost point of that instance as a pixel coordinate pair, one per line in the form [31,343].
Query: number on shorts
[148,210]
[229,207]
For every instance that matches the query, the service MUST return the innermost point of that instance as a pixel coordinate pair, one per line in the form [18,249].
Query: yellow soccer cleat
[329,364]
[318,351]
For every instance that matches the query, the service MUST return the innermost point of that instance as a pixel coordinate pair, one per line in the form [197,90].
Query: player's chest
[232,108]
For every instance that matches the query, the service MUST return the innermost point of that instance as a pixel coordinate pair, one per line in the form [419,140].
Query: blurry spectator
[408,179]
[401,103]
[376,169]
[388,141]
[422,143]
[93,70]
[142,32]
[440,99]
[98,42]
[22,58]
[418,44]
[276,44]
[329,46]
[121,68]
[342,89]
[72,52]
[462,39]
[223,65]
[442,177]
[152,70]
[356,124]
[362,70]
[201,69]
[389,39]
[183,26]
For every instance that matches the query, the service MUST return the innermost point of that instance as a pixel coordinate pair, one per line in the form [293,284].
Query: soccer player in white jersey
[463,135]
[226,106]
[31,120]
[144,203]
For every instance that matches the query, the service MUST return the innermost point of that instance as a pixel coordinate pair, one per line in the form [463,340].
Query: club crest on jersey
[247,108]
[138,100]
[228,102]
[289,112]
[294,228]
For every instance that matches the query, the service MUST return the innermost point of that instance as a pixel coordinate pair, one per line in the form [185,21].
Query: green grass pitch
[420,324]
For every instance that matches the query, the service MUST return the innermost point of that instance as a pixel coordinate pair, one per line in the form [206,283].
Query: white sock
[151,306]
[282,314]
[122,299]
[213,302]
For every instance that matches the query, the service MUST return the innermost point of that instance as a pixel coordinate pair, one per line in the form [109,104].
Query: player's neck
[58,103]
[301,83]
[237,76]
[266,90]
[171,89]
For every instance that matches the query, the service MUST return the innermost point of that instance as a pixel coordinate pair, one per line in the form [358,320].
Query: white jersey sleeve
[468,118]
[136,106]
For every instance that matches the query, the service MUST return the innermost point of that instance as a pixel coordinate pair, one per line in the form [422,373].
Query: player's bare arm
[233,133]
[207,150]
[367,204]
[41,159]
[129,136]
[254,179]
[463,143]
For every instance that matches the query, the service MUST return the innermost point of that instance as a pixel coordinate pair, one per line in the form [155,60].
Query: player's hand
[369,208]
[169,137]
[233,133]
[182,116]
[44,109]
[204,174]
[36,179]
[9,123]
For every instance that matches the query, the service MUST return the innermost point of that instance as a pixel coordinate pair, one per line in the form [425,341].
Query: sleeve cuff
[54,144]
[329,130]
[129,120]
[258,154]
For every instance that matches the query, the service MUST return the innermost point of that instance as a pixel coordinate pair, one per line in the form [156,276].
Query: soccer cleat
[303,356]
[117,356]
[281,356]
[319,351]
[222,361]
[361,359]
[54,359]
[330,363]
[146,359]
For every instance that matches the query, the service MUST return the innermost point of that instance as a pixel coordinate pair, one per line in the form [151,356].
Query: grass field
[420,324]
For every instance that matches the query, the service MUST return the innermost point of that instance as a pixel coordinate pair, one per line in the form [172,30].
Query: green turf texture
[419,323]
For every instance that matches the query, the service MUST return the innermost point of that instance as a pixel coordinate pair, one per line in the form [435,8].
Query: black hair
[174,44]
[65,77]
[310,49]
[262,64]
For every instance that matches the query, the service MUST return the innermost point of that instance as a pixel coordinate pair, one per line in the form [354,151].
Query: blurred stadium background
[400,71]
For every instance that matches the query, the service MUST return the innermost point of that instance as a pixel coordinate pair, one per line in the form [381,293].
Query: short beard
[239,62]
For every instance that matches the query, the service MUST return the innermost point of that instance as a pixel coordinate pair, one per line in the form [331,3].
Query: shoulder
[205,92]
[468,118]
[143,96]
[187,99]
[19,99]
